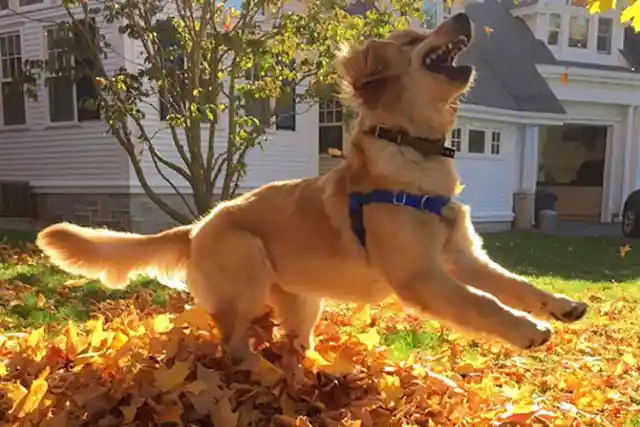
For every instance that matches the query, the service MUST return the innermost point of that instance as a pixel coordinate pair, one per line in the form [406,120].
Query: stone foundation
[97,210]
[126,212]
[131,212]
[147,218]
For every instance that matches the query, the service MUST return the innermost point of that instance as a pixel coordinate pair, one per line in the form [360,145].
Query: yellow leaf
[632,13]
[35,337]
[343,363]
[169,412]
[162,323]
[168,379]
[390,388]
[288,405]
[15,392]
[41,301]
[371,339]
[601,6]
[266,373]
[624,249]
[361,315]
[32,399]
[73,283]
[629,359]
[196,387]
[129,411]
[196,318]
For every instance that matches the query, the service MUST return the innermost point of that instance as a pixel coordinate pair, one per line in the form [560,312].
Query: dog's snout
[460,24]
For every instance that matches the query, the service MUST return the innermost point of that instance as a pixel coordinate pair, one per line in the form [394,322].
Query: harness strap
[357,201]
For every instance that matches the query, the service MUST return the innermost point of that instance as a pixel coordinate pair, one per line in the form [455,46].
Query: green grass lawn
[564,264]
[34,293]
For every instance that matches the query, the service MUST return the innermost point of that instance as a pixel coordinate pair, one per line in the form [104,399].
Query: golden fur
[290,244]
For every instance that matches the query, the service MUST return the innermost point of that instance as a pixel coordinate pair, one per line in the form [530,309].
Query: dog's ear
[365,71]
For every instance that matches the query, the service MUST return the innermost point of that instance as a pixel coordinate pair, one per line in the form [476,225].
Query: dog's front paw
[527,332]
[567,310]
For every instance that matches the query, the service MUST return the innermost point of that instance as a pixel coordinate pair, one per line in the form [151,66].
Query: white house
[553,107]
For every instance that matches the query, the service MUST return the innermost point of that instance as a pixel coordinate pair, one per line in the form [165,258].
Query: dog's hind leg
[470,264]
[230,276]
[297,315]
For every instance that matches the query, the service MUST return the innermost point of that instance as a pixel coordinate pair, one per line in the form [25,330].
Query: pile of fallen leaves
[169,369]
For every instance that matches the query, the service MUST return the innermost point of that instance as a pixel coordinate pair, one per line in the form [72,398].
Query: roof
[505,52]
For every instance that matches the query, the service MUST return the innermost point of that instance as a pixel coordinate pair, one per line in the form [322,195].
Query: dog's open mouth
[441,60]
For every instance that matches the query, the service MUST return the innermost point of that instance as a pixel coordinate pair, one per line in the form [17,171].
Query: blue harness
[357,201]
[423,203]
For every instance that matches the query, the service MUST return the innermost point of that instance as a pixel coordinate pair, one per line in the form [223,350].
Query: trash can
[544,200]
[523,204]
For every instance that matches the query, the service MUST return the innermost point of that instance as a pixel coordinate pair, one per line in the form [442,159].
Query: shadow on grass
[588,259]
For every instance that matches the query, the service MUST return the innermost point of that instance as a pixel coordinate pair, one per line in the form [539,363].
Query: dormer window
[578,30]
[555,29]
[605,33]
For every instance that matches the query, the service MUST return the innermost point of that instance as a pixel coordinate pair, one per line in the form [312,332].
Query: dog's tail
[115,257]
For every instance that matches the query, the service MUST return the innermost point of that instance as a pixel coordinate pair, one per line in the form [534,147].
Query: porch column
[524,202]
[530,159]
[629,166]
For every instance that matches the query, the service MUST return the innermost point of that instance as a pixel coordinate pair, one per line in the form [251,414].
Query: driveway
[588,229]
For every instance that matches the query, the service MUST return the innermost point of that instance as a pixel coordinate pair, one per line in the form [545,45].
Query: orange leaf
[488,30]
[624,249]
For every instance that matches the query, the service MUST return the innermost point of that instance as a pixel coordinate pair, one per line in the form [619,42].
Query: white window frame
[19,33]
[495,146]
[489,132]
[456,138]
[557,30]
[609,35]
[333,105]
[14,5]
[74,94]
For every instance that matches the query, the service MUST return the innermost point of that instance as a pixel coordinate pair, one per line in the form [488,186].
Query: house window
[605,31]
[258,108]
[29,2]
[496,139]
[430,11]
[476,141]
[456,139]
[173,62]
[330,129]
[555,29]
[579,30]
[4,4]
[59,83]
[12,105]
[286,106]
[70,82]
[85,63]
[446,9]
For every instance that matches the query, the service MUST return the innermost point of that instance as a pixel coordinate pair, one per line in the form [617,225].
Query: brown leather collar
[424,146]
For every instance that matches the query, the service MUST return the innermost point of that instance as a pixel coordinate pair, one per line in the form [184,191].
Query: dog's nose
[462,24]
[461,19]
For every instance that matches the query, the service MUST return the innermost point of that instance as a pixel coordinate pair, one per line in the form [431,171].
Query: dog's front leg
[470,264]
[436,293]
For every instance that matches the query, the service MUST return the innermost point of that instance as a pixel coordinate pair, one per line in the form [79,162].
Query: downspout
[626,174]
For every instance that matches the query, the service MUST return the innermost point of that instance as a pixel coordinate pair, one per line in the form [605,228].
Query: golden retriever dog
[383,223]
